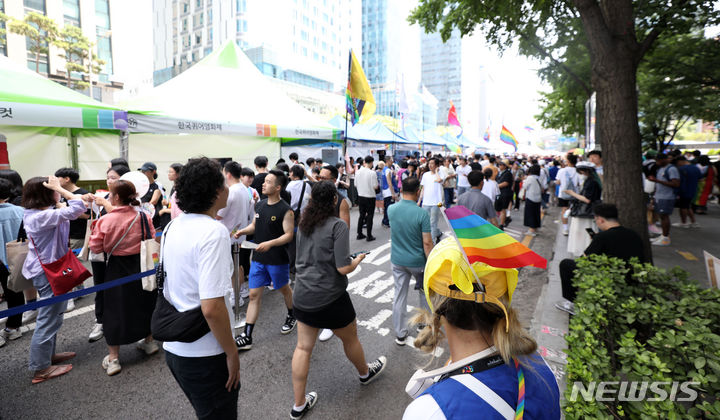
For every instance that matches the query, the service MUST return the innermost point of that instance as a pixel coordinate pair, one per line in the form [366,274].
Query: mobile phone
[590,232]
[358,253]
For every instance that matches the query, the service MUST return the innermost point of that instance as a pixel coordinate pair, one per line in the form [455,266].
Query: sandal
[52,372]
[61,357]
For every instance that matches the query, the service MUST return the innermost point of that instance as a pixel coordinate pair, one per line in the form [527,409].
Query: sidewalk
[687,245]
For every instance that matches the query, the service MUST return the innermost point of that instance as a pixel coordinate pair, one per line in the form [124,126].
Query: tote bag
[149,255]
[16,252]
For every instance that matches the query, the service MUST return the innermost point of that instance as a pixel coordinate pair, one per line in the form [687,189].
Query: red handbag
[64,273]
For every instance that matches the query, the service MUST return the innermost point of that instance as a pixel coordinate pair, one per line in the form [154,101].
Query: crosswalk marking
[358,287]
[382,260]
[375,252]
[387,297]
[375,322]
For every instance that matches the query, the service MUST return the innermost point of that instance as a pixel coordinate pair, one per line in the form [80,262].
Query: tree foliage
[40,32]
[79,58]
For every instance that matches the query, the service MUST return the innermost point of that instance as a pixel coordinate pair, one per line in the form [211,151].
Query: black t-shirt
[257,184]
[158,206]
[78,227]
[269,226]
[475,166]
[505,176]
[619,242]
[591,190]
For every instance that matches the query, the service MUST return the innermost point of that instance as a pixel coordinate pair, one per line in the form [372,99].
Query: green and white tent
[221,107]
[48,126]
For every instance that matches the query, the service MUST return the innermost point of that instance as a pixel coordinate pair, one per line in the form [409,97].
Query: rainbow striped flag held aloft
[484,242]
[507,137]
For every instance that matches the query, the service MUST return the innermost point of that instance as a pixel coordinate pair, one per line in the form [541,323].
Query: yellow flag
[359,98]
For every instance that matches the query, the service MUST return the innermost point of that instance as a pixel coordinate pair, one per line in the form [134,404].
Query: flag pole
[462,250]
[346,106]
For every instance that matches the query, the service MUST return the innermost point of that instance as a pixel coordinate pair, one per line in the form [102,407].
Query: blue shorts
[263,274]
[664,206]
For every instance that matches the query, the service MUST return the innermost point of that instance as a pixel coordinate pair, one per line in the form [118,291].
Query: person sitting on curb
[613,240]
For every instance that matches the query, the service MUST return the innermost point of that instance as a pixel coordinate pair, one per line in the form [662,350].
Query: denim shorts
[664,206]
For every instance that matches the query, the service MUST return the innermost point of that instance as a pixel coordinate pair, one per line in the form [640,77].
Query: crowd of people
[230,232]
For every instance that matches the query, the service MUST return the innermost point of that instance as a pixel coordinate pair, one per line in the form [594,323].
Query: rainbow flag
[483,242]
[453,118]
[507,137]
[486,136]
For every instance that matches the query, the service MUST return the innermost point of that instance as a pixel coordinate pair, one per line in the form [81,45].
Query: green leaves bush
[636,322]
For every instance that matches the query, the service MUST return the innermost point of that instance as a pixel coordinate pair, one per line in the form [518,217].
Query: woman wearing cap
[154,194]
[581,216]
[495,371]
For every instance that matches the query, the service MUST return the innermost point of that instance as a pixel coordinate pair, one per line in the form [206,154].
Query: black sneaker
[289,325]
[310,400]
[361,236]
[370,238]
[400,341]
[243,342]
[508,220]
[374,369]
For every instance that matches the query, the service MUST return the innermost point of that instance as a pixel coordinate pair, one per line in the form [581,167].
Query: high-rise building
[300,41]
[452,71]
[116,28]
[391,58]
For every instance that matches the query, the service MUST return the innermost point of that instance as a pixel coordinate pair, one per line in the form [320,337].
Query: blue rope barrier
[77,293]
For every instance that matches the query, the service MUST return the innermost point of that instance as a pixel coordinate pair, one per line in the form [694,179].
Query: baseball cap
[651,153]
[148,166]
[585,164]
[448,273]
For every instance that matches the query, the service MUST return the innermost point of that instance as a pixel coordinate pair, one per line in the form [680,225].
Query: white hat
[585,164]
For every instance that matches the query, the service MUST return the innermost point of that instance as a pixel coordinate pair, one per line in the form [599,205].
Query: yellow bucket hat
[447,266]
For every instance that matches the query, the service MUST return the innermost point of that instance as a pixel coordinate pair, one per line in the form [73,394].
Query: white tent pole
[123,142]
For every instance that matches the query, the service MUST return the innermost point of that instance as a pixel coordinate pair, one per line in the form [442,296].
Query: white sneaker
[11,333]
[244,290]
[565,231]
[70,305]
[695,225]
[96,333]
[29,316]
[530,233]
[566,305]
[149,348]
[661,241]
[325,334]
[112,367]
[681,225]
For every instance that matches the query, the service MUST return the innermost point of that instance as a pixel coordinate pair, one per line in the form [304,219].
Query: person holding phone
[320,298]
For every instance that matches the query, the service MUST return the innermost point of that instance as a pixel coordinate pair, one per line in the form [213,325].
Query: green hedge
[642,323]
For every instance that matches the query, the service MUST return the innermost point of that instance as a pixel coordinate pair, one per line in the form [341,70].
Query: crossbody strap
[486,394]
[123,237]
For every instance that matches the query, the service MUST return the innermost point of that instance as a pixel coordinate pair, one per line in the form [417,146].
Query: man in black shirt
[68,177]
[261,163]
[273,229]
[505,183]
[614,240]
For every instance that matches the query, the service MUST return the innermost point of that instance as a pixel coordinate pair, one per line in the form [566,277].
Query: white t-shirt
[234,215]
[462,172]
[484,163]
[198,264]
[432,190]
[295,189]
[490,189]
[568,179]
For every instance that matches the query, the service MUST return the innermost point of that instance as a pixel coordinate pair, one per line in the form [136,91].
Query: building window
[102,14]
[71,12]
[210,36]
[304,50]
[104,52]
[34,6]
[184,25]
[3,48]
[241,6]
[198,38]
[304,35]
[198,4]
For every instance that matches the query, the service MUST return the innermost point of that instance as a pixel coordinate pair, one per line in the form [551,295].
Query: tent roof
[29,99]
[23,85]
[224,93]
[373,133]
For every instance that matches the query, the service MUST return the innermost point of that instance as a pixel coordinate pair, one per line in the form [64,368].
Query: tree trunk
[614,77]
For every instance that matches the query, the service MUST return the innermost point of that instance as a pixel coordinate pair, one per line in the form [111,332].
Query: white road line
[387,297]
[375,322]
[377,288]
[375,252]
[382,260]
[358,287]
[354,273]
[68,315]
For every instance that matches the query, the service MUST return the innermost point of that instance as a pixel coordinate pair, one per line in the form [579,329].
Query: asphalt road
[145,388]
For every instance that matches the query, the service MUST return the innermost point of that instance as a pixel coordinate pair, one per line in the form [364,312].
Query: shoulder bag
[169,324]
[149,255]
[65,273]
[16,252]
